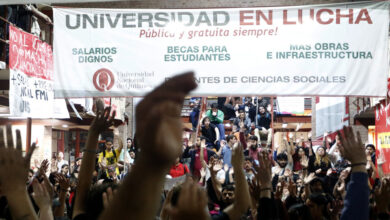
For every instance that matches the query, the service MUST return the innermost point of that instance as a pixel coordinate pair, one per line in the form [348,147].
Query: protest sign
[31,75]
[278,51]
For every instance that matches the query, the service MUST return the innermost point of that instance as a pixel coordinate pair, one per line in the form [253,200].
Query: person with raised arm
[357,198]
[13,184]
[159,135]
[102,122]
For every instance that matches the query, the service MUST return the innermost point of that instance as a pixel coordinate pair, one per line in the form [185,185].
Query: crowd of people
[217,174]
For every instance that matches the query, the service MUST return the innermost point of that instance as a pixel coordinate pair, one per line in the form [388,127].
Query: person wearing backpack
[110,156]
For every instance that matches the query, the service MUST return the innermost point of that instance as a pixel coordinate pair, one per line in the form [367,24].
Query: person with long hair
[319,163]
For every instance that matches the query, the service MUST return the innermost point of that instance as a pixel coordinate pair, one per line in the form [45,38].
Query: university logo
[103,80]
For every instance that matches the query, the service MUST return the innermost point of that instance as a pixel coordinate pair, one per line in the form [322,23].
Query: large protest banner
[332,50]
[31,75]
[382,134]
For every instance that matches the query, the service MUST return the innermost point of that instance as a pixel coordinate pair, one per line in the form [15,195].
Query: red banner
[382,134]
[30,55]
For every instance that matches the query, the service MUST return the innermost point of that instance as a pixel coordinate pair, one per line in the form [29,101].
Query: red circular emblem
[103,80]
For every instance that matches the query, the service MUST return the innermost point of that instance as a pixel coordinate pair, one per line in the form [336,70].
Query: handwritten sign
[31,75]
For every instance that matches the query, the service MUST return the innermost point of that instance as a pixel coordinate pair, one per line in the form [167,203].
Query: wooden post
[28,134]
[61,142]
[77,146]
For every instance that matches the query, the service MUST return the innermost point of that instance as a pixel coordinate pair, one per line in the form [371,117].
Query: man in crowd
[61,161]
[195,155]
[65,170]
[242,119]
[370,151]
[253,148]
[210,132]
[263,119]
[194,115]
[249,108]
[226,151]
[110,156]
[216,117]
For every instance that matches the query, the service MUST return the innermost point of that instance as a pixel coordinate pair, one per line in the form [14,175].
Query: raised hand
[292,188]
[217,165]
[304,162]
[254,189]
[108,196]
[329,172]
[43,168]
[41,195]
[203,144]
[203,172]
[103,120]
[13,175]
[13,167]
[159,126]
[344,174]
[352,148]
[159,136]
[309,178]
[309,135]
[237,155]
[63,181]
[191,204]
[264,171]
[279,190]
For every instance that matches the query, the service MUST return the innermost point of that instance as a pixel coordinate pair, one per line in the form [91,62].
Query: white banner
[331,50]
[31,76]
[330,115]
